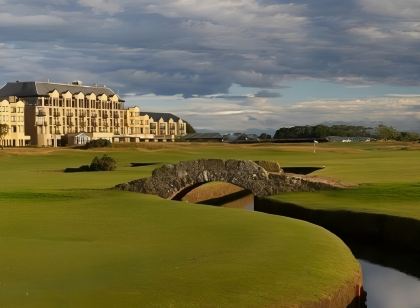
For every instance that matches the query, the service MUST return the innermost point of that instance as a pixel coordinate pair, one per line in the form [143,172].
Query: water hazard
[391,279]
[389,288]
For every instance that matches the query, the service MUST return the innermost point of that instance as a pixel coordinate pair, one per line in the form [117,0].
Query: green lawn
[387,175]
[67,241]
[397,199]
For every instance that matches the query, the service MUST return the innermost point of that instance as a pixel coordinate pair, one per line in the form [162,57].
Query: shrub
[98,143]
[104,163]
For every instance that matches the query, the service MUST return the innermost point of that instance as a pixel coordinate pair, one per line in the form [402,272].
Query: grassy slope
[388,174]
[66,242]
[391,199]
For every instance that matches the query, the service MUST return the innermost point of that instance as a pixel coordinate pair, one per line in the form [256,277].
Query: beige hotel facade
[54,114]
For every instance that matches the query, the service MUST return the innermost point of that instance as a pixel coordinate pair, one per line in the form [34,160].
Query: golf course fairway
[68,240]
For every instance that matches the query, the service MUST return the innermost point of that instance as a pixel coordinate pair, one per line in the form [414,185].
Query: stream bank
[400,232]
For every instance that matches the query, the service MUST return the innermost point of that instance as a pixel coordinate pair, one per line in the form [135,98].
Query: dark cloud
[267,94]
[203,47]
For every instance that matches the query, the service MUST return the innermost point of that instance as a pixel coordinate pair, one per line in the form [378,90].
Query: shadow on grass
[399,236]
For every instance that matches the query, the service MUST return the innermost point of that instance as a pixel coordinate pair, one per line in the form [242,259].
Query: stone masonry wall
[262,178]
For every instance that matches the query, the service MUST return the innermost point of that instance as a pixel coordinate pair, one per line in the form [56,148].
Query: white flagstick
[315,142]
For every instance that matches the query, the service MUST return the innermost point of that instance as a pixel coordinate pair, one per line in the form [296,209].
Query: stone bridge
[262,178]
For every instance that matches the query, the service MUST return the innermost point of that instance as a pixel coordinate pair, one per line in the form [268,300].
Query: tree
[265,136]
[4,130]
[387,132]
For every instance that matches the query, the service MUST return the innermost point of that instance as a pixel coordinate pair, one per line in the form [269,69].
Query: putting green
[65,241]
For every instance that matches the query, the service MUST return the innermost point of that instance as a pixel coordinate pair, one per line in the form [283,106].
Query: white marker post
[315,142]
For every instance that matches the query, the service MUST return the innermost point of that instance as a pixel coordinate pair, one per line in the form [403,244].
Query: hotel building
[12,114]
[71,114]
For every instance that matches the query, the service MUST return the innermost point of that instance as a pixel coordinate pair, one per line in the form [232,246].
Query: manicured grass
[65,240]
[391,199]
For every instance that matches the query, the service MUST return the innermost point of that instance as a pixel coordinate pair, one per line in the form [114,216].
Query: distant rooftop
[203,136]
[157,115]
[36,88]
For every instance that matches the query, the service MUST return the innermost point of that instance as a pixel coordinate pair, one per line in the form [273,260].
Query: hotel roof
[35,88]
[157,115]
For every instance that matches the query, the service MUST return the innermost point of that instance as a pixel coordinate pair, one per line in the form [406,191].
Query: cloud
[203,47]
[199,49]
[230,114]
[8,20]
[102,6]
[401,8]
[268,94]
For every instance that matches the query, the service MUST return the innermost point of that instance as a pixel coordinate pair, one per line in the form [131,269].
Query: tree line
[382,132]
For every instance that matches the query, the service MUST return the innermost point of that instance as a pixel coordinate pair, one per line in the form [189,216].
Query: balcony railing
[116,115]
[56,114]
[70,114]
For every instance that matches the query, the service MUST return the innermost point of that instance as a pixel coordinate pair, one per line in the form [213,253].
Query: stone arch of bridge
[179,179]
[178,196]
[261,178]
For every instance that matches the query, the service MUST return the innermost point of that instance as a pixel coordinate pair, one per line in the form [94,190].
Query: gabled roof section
[157,115]
[34,89]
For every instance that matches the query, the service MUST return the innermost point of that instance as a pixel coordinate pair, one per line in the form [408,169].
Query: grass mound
[105,248]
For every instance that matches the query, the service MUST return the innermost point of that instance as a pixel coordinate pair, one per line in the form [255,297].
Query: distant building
[55,113]
[240,138]
[203,137]
[348,139]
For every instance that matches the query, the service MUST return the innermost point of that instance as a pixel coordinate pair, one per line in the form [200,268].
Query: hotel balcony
[41,113]
[56,114]
[70,114]
[116,115]
[93,115]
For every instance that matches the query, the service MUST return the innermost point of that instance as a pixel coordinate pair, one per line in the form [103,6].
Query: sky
[228,65]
